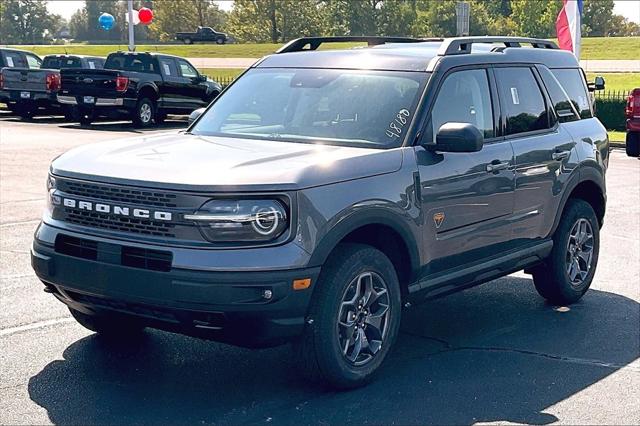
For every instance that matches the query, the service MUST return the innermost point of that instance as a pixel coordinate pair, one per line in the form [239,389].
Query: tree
[597,16]
[78,24]
[172,16]
[27,21]
[209,14]
[533,18]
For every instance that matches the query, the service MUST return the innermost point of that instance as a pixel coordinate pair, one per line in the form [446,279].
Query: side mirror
[598,84]
[195,114]
[458,137]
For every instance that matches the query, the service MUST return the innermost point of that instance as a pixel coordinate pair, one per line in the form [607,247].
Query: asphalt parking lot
[495,353]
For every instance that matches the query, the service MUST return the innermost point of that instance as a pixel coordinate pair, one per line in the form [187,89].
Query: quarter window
[522,101]
[464,98]
[573,83]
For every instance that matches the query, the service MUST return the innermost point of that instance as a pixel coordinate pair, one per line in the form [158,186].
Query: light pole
[132,42]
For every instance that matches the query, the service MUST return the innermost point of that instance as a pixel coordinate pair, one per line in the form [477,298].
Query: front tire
[144,113]
[633,144]
[567,273]
[219,40]
[108,325]
[353,319]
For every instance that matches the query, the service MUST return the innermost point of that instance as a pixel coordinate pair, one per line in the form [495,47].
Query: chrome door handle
[560,155]
[497,166]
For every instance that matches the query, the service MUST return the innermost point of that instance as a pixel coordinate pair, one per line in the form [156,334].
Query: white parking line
[34,326]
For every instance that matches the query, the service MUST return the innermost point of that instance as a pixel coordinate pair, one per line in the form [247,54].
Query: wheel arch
[382,230]
[590,188]
[148,91]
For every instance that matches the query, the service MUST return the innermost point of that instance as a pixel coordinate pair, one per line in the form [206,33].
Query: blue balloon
[106,21]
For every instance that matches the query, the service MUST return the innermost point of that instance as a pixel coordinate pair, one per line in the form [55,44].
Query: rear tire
[160,117]
[356,299]
[85,118]
[26,113]
[566,275]
[633,144]
[188,41]
[108,325]
[144,113]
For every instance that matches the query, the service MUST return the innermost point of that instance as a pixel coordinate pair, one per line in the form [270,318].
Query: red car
[632,113]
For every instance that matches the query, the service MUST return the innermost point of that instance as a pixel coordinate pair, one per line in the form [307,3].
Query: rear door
[467,198]
[544,151]
[170,90]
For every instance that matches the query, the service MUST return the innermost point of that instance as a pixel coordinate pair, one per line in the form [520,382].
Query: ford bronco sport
[324,191]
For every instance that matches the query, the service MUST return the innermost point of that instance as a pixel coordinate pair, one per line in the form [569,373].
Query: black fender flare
[148,85]
[372,216]
[586,174]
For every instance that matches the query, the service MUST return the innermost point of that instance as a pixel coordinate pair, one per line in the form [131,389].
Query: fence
[610,108]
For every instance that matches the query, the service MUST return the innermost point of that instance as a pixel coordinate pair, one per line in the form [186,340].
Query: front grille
[119,194]
[142,258]
[76,247]
[133,257]
[126,224]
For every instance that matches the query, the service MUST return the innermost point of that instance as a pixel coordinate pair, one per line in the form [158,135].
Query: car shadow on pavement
[493,353]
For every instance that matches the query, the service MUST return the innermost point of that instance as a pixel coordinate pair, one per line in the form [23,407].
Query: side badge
[438,219]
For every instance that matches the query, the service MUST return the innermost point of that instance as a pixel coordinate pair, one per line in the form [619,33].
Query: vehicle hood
[208,163]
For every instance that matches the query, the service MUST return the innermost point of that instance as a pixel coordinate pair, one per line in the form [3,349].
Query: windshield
[340,107]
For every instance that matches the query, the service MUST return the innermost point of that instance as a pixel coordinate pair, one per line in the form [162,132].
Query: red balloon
[145,15]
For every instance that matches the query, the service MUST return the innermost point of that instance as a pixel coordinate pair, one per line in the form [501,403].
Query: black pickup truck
[30,90]
[143,86]
[203,34]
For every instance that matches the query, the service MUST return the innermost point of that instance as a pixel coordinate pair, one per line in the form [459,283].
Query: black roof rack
[462,45]
[300,44]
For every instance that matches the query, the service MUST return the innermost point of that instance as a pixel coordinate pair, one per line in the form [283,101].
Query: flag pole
[132,42]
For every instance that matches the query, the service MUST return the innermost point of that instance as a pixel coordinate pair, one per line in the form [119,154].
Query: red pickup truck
[632,113]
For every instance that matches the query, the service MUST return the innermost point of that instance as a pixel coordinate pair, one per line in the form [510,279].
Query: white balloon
[136,18]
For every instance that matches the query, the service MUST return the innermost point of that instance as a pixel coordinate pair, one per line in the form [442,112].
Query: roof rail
[300,44]
[462,45]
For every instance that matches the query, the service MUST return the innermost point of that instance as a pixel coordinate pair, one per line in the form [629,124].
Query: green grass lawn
[221,73]
[618,81]
[592,48]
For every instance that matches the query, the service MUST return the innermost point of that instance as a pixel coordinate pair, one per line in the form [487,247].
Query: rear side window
[464,97]
[573,83]
[562,105]
[522,101]
[15,60]
[168,67]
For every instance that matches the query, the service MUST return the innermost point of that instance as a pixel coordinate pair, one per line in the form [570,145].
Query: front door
[193,90]
[467,198]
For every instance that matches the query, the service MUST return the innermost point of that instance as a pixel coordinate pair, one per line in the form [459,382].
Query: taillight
[122,83]
[632,109]
[52,82]
[1,80]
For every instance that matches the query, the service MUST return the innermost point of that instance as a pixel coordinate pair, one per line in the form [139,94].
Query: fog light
[267,294]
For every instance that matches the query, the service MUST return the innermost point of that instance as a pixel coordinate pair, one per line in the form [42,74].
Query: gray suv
[326,190]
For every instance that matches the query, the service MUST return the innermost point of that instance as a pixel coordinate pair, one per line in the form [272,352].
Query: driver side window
[186,69]
[464,97]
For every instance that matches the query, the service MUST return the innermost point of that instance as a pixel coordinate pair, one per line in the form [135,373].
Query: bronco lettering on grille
[111,209]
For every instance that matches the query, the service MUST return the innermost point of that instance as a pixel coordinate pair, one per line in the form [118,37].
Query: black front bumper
[231,307]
